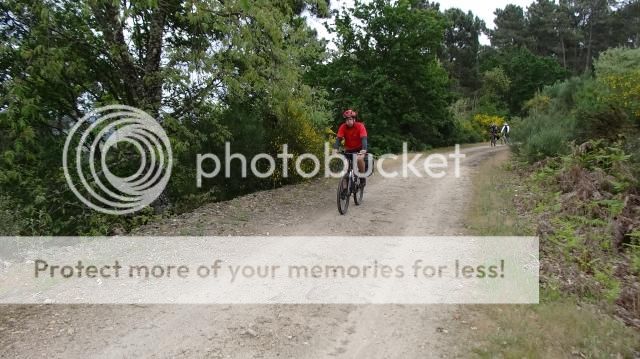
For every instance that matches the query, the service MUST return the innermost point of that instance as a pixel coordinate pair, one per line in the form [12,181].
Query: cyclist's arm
[339,136]
[363,137]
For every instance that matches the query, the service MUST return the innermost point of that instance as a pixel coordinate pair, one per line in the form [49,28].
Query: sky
[481,8]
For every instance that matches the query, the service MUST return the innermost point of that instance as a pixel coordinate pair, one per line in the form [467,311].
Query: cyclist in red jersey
[354,134]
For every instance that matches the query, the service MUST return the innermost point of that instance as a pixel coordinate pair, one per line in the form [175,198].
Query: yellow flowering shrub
[484,121]
[294,128]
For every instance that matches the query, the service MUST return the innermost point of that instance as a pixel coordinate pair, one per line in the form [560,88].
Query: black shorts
[348,152]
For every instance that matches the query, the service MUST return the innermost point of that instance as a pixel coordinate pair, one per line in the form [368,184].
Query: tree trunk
[588,61]
[564,53]
[107,16]
[152,80]
[142,78]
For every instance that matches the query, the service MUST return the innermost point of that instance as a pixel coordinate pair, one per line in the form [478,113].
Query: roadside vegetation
[568,322]
[574,182]
[584,176]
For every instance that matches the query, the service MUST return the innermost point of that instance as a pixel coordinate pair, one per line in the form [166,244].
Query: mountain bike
[494,139]
[349,185]
[505,139]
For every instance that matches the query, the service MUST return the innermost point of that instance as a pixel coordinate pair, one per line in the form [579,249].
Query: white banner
[268,270]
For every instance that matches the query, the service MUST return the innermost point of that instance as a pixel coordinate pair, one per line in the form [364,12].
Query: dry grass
[558,328]
[493,212]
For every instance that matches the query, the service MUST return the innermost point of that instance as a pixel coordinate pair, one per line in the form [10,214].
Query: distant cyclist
[493,132]
[354,134]
[505,132]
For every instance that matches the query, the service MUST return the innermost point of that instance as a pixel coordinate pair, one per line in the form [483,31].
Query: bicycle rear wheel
[343,194]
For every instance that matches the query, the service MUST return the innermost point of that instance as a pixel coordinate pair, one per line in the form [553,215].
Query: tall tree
[527,74]
[461,47]
[388,69]
[189,65]
[569,36]
[510,28]
[628,21]
[596,25]
[543,27]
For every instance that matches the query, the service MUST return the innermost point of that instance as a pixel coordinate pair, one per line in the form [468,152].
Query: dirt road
[393,206]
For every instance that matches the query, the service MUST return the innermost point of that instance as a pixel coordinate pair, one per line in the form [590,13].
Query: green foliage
[465,129]
[496,82]
[472,118]
[387,69]
[510,30]
[527,74]
[460,51]
[611,159]
[584,108]
[543,135]
[494,93]
[571,32]
[611,286]
[592,185]
[565,235]
[254,73]
[210,72]
[11,222]
[617,61]
[618,74]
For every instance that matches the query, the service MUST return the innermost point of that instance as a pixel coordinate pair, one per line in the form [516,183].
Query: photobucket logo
[103,130]
[435,165]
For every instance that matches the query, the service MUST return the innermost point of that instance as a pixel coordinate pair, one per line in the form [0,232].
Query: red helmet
[349,113]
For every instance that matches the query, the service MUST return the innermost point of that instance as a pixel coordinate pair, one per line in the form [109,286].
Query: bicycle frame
[350,172]
[350,179]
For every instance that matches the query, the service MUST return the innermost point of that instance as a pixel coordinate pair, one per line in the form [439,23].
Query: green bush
[11,223]
[579,109]
[543,135]
[597,114]
[617,61]
[551,122]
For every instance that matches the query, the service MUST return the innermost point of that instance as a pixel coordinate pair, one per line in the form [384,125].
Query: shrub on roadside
[606,106]
[588,226]
[11,224]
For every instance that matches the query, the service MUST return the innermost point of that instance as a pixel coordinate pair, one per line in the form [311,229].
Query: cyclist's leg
[360,164]
[345,179]
[361,169]
[353,157]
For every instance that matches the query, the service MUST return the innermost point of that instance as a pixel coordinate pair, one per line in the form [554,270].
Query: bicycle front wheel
[358,194]
[343,194]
